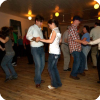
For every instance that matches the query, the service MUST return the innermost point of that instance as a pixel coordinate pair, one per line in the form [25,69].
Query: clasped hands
[38,39]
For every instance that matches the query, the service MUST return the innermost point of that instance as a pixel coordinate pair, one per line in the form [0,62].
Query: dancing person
[37,49]
[86,48]
[6,63]
[75,49]
[54,53]
[95,34]
[65,50]
[27,47]
[97,41]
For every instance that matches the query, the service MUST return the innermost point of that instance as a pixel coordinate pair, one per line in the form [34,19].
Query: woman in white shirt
[98,58]
[54,53]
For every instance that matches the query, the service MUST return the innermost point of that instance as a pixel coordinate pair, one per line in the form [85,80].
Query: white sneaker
[51,87]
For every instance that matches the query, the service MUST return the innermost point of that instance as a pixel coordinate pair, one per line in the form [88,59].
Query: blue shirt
[87,36]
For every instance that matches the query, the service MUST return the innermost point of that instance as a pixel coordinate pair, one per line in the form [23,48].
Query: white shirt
[97,41]
[95,33]
[54,47]
[34,31]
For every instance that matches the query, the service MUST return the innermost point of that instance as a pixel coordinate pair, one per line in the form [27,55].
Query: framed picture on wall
[16,27]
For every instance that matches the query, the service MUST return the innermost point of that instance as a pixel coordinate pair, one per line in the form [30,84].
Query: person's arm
[94,42]
[4,40]
[79,41]
[3,49]
[49,40]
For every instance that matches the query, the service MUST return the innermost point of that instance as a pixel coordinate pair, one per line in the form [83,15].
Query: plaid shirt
[73,35]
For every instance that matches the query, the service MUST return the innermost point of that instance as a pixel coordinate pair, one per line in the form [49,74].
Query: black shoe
[74,77]
[98,82]
[94,66]
[29,63]
[14,78]
[10,78]
[69,69]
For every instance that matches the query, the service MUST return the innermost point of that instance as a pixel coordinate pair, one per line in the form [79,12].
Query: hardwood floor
[24,88]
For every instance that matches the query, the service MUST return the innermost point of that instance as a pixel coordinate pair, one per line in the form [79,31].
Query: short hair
[87,28]
[96,23]
[77,18]
[53,21]
[39,18]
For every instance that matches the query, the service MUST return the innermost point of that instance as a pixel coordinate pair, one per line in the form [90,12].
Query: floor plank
[24,87]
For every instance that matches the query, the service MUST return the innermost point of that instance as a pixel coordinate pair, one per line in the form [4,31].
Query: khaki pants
[94,51]
[66,54]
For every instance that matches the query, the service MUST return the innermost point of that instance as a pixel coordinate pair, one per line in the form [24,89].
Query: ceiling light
[30,18]
[98,18]
[29,12]
[71,22]
[96,6]
[98,1]
[56,14]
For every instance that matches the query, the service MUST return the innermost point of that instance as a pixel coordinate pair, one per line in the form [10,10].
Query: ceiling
[47,8]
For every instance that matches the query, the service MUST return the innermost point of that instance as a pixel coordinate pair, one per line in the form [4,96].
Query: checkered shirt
[73,35]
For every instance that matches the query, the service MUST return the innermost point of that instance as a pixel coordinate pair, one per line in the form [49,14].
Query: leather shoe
[42,81]
[37,85]
[83,74]
[74,77]
[69,69]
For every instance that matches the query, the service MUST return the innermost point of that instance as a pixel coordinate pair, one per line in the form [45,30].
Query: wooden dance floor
[24,88]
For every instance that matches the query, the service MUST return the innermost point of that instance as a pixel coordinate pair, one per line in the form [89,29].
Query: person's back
[95,33]
[8,46]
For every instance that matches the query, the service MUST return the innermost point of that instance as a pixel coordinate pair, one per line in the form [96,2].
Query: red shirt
[73,35]
[25,41]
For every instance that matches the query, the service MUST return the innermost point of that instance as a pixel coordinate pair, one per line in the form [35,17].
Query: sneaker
[14,64]
[51,87]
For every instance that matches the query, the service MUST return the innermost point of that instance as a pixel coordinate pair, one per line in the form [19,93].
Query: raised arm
[4,40]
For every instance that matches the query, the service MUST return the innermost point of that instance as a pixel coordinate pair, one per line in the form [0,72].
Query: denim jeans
[39,60]
[79,63]
[53,71]
[86,50]
[6,64]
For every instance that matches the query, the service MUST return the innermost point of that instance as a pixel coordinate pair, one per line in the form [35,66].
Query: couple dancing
[35,36]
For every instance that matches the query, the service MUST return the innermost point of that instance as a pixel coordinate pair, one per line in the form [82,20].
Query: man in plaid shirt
[75,49]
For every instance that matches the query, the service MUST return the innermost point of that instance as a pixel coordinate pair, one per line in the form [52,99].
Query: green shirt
[15,37]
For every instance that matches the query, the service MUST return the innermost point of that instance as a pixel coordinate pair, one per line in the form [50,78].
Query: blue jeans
[86,50]
[79,63]
[53,71]
[6,64]
[39,59]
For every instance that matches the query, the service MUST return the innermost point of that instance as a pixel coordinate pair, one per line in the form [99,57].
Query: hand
[85,42]
[37,39]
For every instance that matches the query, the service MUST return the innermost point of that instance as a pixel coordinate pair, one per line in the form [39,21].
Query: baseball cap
[77,18]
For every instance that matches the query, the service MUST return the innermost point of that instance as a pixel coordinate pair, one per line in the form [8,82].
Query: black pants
[16,52]
[28,53]
[2,53]
[98,64]
[20,50]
